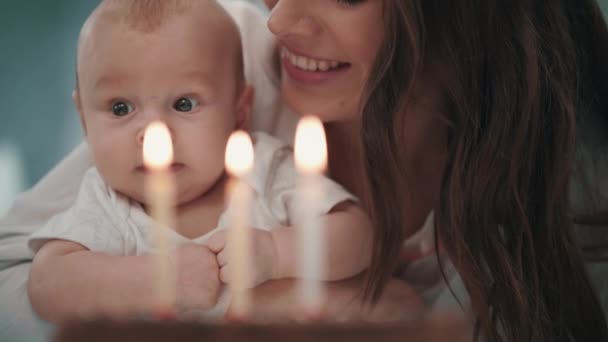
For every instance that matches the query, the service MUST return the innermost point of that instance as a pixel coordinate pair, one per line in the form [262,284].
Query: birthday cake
[97,331]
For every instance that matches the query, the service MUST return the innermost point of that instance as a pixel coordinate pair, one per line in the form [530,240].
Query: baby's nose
[141,133]
[139,138]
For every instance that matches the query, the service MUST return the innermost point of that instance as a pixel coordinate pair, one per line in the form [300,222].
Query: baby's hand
[263,261]
[198,283]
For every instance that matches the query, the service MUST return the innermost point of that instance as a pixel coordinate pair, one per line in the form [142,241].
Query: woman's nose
[291,18]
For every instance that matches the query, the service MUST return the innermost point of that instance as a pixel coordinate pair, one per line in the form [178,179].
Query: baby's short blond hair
[148,15]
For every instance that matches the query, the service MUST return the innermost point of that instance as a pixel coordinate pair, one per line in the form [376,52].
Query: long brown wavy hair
[516,78]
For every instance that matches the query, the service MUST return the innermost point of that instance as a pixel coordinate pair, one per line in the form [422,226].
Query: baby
[178,61]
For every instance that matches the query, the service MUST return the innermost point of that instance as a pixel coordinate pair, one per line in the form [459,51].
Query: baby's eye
[121,108]
[185,104]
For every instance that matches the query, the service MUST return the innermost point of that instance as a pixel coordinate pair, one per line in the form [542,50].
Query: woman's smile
[310,70]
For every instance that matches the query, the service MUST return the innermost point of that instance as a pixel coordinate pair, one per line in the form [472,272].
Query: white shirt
[104,221]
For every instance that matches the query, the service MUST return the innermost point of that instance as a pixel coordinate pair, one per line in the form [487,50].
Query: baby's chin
[133,196]
[327,111]
[187,195]
[185,192]
[182,197]
[136,194]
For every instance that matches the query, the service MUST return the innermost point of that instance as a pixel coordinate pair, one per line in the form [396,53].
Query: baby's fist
[261,264]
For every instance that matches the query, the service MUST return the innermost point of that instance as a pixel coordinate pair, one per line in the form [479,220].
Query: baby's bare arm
[67,281]
[348,237]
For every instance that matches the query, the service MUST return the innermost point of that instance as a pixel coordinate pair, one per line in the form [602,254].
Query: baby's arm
[348,238]
[68,281]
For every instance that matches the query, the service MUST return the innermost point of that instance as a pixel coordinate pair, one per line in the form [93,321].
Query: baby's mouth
[175,167]
[311,64]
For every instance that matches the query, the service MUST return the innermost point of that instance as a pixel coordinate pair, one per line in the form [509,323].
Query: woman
[468,111]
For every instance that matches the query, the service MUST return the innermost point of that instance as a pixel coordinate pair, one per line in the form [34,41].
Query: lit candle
[311,163]
[160,200]
[239,162]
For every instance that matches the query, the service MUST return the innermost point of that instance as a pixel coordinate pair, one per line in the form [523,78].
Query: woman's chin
[327,110]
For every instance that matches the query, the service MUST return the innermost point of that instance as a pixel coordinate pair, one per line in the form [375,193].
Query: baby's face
[179,74]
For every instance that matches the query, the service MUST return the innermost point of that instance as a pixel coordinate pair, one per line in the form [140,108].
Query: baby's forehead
[149,15]
[204,22]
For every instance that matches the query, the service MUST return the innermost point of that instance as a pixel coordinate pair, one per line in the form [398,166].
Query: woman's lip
[305,76]
[311,77]
[303,54]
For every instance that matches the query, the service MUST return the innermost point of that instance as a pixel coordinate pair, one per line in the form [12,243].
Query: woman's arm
[34,208]
[277,301]
[68,281]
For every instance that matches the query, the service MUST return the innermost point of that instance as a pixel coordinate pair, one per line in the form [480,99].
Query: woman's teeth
[309,64]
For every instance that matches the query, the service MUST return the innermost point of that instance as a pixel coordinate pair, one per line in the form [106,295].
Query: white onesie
[104,221]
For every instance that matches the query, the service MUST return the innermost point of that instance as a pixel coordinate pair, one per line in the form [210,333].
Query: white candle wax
[311,244]
[311,162]
[239,162]
[160,201]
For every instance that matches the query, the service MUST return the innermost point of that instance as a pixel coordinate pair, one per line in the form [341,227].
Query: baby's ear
[78,105]
[243,108]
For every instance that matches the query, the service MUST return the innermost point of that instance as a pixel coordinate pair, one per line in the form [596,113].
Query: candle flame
[311,145]
[239,154]
[158,148]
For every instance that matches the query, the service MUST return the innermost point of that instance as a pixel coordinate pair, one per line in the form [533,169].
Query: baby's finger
[217,241]
[225,274]
[222,257]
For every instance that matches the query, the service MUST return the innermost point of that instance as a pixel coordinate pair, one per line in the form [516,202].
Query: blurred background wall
[38,124]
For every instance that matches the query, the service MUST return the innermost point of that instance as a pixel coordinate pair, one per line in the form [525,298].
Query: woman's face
[327,49]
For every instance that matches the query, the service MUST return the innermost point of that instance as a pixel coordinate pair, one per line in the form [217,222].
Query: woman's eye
[185,104]
[121,108]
